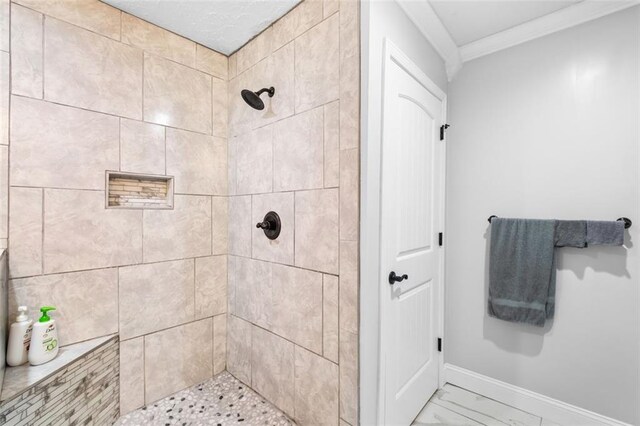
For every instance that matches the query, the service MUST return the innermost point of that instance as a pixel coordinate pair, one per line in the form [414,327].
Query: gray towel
[571,233]
[522,270]
[608,233]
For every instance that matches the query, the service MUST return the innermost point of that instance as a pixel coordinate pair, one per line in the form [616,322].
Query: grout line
[42,208]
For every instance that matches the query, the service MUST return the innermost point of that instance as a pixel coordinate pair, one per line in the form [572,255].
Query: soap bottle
[19,338]
[44,339]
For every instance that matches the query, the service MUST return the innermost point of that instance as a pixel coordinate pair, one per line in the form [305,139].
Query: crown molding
[424,17]
[576,14]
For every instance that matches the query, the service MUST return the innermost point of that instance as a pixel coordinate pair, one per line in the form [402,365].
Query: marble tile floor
[454,406]
[222,400]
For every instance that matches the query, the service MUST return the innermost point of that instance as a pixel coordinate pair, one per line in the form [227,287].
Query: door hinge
[439,344]
[440,238]
[443,128]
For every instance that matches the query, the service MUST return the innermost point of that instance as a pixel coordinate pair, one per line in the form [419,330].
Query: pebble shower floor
[222,400]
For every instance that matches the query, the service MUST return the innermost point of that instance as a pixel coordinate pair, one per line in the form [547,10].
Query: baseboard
[525,400]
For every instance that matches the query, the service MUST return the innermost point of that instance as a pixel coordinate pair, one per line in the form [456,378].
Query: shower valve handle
[393,278]
[264,225]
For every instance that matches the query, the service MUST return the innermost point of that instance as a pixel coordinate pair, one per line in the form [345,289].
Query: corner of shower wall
[292,331]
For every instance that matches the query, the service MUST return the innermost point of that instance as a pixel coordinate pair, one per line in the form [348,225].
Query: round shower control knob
[270,225]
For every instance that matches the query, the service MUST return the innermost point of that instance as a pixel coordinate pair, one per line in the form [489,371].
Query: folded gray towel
[571,233]
[522,270]
[607,233]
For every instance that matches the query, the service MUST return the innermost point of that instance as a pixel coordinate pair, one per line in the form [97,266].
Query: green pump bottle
[44,339]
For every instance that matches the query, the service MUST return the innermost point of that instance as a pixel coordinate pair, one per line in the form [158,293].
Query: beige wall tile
[5,83]
[349,286]
[219,343]
[211,286]
[255,51]
[89,71]
[298,159]
[349,377]
[330,7]
[239,348]
[332,144]
[317,65]
[4,24]
[220,107]
[177,358]
[75,296]
[198,162]
[25,245]
[316,236]
[272,360]
[349,75]
[233,66]
[45,135]
[240,226]
[4,191]
[284,300]
[219,225]
[295,310]
[300,19]
[330,317]
[176,96]
[254,161]
[155,296]
[131,375]
[252,290]
[142,147]
[26,52]
[157,40]
[182,232]
[93,15]
[232,163]
[79,233]
[231,283]
[212,62]
[349,194]
[343,423]
[316,384]
[279,250]
[278,71]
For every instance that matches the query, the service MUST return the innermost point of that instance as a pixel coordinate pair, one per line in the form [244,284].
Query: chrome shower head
[253,98]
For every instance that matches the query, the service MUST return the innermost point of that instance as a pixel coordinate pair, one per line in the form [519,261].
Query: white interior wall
[379,20]
[549,129]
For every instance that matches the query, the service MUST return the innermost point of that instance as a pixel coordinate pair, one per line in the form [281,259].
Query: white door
[412,155]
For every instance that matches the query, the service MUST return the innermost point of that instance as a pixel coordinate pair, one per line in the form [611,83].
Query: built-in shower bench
[80,386]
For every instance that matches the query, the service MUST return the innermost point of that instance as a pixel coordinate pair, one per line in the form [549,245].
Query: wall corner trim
[568,17]
[526,400]
[424,17]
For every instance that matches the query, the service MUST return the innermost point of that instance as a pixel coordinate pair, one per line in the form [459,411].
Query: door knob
[393,278]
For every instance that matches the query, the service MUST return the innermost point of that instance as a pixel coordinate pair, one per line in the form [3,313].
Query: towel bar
[626,220]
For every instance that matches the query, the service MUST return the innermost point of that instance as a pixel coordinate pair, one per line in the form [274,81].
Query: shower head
[253,98]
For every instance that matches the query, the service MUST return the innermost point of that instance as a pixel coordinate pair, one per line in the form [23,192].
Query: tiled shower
[192,287]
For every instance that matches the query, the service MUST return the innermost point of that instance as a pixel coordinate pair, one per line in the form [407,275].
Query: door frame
[371,348]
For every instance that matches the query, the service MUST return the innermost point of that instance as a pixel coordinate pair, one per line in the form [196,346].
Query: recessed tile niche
[138,191]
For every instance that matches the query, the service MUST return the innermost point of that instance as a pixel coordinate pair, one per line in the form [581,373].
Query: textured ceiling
[222,25]
[469,21]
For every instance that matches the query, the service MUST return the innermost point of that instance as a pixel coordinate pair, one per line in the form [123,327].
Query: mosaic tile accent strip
[222,400]
[86,392]
[139,191]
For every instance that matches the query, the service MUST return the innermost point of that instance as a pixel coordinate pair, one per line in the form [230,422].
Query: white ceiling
[222,25]
[468,21]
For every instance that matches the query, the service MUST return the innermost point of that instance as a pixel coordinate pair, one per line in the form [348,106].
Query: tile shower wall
[95,89]
[293,301]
